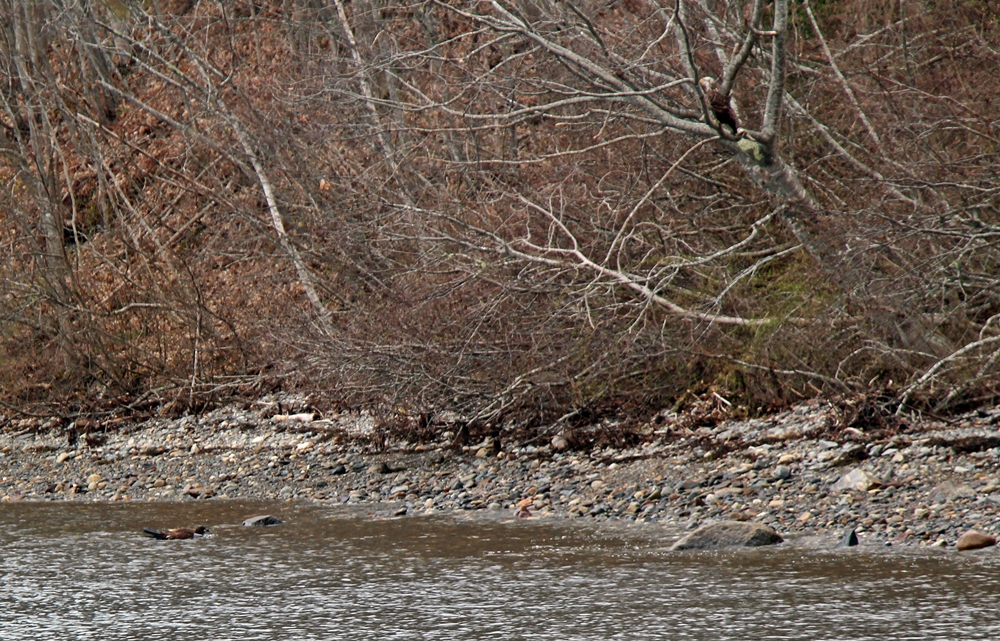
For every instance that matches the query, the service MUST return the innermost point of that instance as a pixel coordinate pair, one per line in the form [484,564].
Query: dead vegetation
[511,211]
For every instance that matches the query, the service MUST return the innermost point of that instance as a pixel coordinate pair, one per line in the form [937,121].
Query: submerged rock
[262,521]
[728,534]
[974,540]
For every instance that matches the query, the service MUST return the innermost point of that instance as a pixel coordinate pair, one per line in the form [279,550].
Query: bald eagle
[720,104]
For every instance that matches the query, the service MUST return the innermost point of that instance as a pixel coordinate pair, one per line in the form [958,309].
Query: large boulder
[973,540]
[262,521]
[728,534]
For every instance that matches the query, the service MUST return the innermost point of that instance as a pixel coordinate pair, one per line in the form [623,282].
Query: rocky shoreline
[925,485]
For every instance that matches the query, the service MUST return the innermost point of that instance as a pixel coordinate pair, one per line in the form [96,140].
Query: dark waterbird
[177,533]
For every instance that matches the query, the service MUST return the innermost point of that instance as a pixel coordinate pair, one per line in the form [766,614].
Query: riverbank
[922,486]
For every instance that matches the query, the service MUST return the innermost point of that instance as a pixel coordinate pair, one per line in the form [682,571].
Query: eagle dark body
[723,110]
[176,533]
[720,104]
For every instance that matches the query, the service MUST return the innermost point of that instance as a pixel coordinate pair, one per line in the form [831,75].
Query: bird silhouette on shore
[177,533]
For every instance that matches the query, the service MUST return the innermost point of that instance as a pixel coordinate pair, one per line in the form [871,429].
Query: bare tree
[504,207]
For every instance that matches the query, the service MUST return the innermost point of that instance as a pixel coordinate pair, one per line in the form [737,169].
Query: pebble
[789,483]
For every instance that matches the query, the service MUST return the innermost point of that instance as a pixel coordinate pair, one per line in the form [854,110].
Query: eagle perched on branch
[721,105]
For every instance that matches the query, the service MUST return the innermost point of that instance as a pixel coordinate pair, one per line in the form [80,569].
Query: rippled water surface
[85,572]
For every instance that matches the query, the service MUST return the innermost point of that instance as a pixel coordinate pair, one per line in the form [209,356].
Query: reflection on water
[85,572]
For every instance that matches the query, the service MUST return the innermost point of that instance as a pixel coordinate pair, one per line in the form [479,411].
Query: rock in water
[728,534]
[262,520]
[850,540]
[973,540]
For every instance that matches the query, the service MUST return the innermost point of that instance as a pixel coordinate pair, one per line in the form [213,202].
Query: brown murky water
[85,572]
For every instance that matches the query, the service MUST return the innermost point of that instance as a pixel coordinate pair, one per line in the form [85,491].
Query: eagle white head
[707,83]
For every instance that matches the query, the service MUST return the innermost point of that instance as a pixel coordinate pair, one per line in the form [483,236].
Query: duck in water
[177,533]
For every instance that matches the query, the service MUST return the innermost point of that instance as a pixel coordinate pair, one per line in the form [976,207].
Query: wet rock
[727,534]
[850,540]
[856,479]
[948,491]
[974,540]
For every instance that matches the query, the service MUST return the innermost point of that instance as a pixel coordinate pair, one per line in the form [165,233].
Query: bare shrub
[520,210]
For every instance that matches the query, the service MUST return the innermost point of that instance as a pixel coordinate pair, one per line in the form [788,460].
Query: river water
[74,571]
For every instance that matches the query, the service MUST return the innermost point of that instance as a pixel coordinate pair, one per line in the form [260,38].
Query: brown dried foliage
[433,194]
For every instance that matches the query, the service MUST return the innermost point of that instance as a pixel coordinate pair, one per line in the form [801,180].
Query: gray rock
[262,521]
[728,534]
[688,484]
[850,454]
[850,540]
[782,472]
[949,491]
[856,480]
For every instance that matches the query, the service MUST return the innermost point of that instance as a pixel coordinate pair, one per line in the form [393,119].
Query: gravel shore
[923,486]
